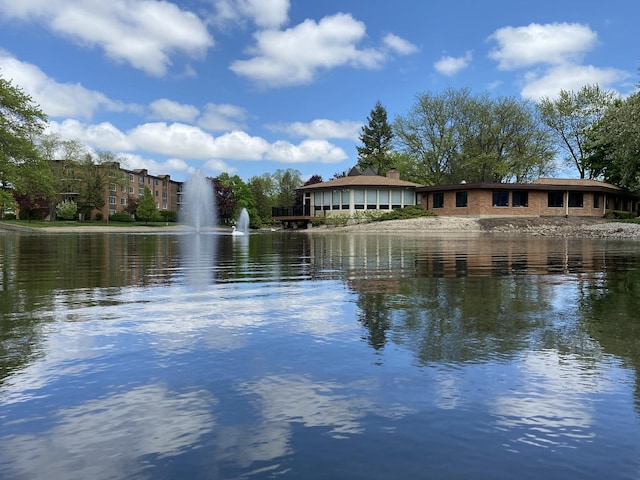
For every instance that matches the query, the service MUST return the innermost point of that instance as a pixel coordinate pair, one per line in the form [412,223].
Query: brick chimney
[393,173]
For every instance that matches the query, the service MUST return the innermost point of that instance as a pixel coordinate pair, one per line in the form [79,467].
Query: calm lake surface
[296,355]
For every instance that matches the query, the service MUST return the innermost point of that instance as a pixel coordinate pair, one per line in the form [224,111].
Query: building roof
[351,181]
[555,184]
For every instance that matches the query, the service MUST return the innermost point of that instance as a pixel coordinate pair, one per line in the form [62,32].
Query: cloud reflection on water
[106,438]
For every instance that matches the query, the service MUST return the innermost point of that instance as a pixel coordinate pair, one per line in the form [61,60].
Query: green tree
[286,183]
[147,210]
[21,121]
[263,191]
[571,117]
[614,143]
[376,138]
[455,136]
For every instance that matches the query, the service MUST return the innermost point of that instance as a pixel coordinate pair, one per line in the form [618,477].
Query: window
[409,197]
[384,199]
[575,199]
[131,177]
[345,199]
[438,200]
[520,199]
[335,200]
[556,199]
[396,198]
[112,200]
[112,187]
[131,190]
[461,199]
[596,200]
[372,199]
[123,201]
[500,199]
[358,199]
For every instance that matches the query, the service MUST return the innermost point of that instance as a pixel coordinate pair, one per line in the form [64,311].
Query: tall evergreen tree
[376,138]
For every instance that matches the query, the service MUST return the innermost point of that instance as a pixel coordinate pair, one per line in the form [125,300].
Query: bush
[98,216]
[67,210]
[413,211]
[169,216]
[120,217]
[620,215]
[9,216]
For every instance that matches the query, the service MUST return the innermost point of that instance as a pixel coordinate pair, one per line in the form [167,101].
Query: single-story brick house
[543,197]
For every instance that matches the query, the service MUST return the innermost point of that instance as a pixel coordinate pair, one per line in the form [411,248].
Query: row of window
[371,198]
[519,199]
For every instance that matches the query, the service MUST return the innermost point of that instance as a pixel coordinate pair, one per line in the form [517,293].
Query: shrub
[413,211]
[120,217]
[98,216]
[67,210]
[9,216]
[169,216]
[620,215]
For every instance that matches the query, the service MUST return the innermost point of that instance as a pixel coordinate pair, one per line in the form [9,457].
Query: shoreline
[529,226]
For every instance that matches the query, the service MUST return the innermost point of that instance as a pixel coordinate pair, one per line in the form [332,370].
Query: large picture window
[520,199]
[576,199]
[500,199]
[556,199]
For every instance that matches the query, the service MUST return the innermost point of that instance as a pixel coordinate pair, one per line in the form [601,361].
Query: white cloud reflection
[108,437]
[553,407]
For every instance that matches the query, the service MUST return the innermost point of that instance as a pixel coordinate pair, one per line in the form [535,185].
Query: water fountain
[198,249]
[199,203]
[242,224]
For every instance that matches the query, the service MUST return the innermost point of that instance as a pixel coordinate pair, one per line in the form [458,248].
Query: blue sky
[251,86]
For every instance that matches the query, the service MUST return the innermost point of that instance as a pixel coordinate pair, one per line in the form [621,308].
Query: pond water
[296,355]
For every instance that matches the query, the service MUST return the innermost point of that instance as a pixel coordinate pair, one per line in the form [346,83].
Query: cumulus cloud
[321,128]
[57,99]
[222,117]
[165,109]
[183,141]
[569,77]
[332,42]
[450,66]
[143,34]
[553,43]
[307,151]
[399,45]
[271,14]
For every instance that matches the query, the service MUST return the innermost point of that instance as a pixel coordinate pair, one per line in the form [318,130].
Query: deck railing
[295,211]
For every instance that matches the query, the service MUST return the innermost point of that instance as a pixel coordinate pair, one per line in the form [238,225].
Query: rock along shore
[534,226]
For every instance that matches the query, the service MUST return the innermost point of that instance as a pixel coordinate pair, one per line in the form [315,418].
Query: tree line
[456,136]
[445,137]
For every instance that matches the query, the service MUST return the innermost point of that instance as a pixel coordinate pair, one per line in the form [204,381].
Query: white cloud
[307,151]
[56,99]
[533,44]
[165,109]
[569,77]
[222,117]
[144,34]
[399,45]
[279,61]
[175,139]
[320,129]
[450,66]
[192,143]
[271,14]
